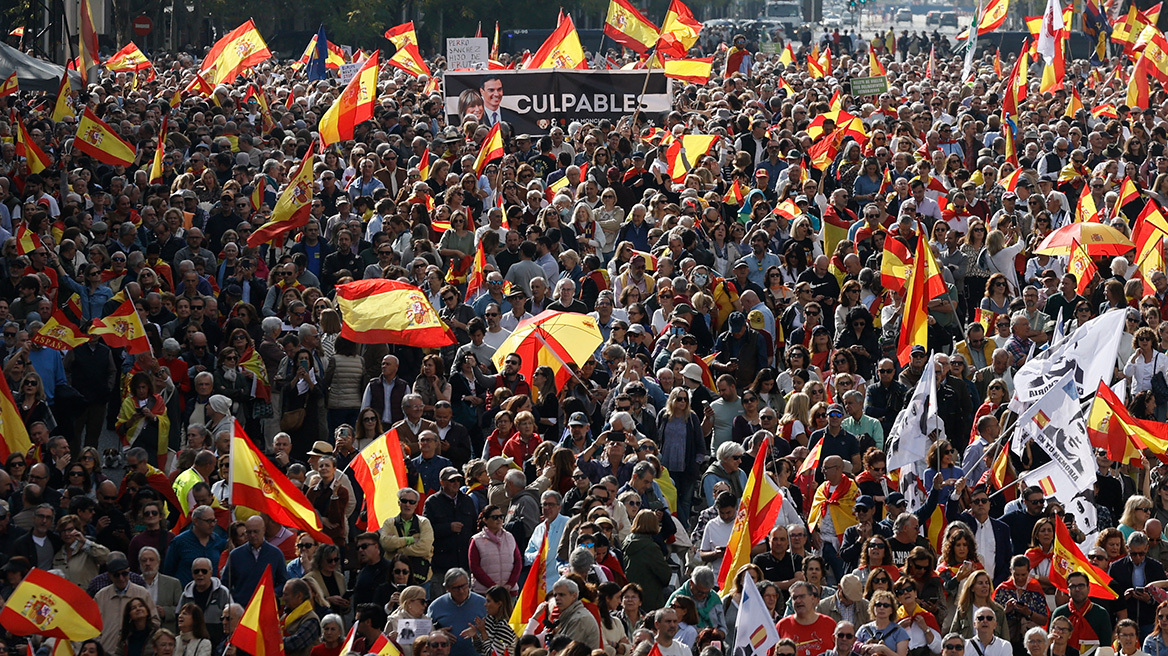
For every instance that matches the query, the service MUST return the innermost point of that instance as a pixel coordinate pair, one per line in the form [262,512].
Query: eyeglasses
[985,618]
[408,502]
[955,647]
[882,604]
[201,570]
[875,545]
[304,545]
[845,636]
[366,545]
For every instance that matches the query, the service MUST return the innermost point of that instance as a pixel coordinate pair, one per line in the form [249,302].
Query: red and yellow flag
[293,207]
[424,165]
[123,327]
[87,36]
[408,58]
[690,70]
[61,107]
[127,60]
[10,85]
[237,51]
[627,26]
[1081,265]
[534,590]
[679,31]
[1127,193]
[992,17]
[875,68]
[251,361]
[476,280]
[380,470]
[334,58]
[1111,426]
[1067,558]
[814,68]
[159,151]
[27,241]
[13,434]
[1074,105]
[684,154]
[757,513]
[59,333]
[811,461]
[98,140]
[254,91]
[259,632]
[258,485]
[49,605]
[562,49]
[924,283]
[895,265]
[1149,260]
[735,195]
[492,149]
[380,311]
[257,194]
[353,106]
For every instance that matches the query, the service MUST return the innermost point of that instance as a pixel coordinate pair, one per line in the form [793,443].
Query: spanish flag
[10,86]
[1081,265]
[811,461]
[690,70]
[1149,224]
[1138,90]
[353,106]
[1149,260]
[787,209]
[13,435]
[258,485]
[27,241]
[492,149]
[123,327]
[1016,90]
[380,470]
[254,91]
[875,68]
[251,361]
[87,37]
[1127,193]
[627,26]
[334,59]
[127,60]
[679,32]
[424,165]
[998,62]
[757,513]
[1010,182]
[257,194]
[1128,30]
[814,69]
[61,108]
[835,230]
[924,283]
[1111,426]
[293,207]
[59,333]
[476,280]
[1106,110]
[407,57]
[561,50]
[98,140]
[260,631]
[992,17]
[238,50]
[684,154]
[788,56]
[380,311]
[48,605]
[159,152]
[1068,558]
[534,590]
[822,153]
[734,196]
[707,375]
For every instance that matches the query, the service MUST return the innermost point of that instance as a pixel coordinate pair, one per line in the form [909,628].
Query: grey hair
[453,574]
[1019,560]
[332,618]
[581,560]
[901,521]
[1137,539]
[516,477]
[853,395]
[704,576]
[624,419]
[1036,631]
[270,324]
[137,453]
[644,467]
[552,494]
[152,549]
[729,450]
[567,584]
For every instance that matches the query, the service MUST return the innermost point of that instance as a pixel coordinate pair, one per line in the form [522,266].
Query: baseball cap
[450,474]
[578,419]
[497,462]
[737,321]
[895,499]
[865,501]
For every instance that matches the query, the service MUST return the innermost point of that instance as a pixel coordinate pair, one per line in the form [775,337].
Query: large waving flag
[629,27]
[992,17]
[13,435]
[88,41]
[10,85]
[380,311]
[237,51]
[380,470]
[27,240]
[408,58]
[757,513]
[48,605]
[98,140]
[123,327]
[353,106]
[1067,558]
[690,70]
[684,154]
[679,31]
[562,49]
[258,485]
[1111,426]
[61,107]
[127,60]
[491,150]
[260,629]
[292,207]
[1081,265]
[924,283]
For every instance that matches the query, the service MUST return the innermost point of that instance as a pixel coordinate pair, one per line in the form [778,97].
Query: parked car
[904,15]
[932,18]
[949,19]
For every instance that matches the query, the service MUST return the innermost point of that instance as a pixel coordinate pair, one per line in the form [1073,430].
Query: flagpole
[644,89]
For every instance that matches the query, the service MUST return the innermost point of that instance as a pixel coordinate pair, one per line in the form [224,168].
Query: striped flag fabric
[49,605]
[13,434]
[260,629]
[380,470]
[237,51]
[353,106]
[257,484]
[292,207]
[380,311]
[98,140]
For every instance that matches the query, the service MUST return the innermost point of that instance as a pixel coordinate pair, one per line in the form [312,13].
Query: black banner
[534,101]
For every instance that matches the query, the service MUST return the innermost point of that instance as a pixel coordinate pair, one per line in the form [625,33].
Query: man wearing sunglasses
[985,643]
[994,543]
[408,534]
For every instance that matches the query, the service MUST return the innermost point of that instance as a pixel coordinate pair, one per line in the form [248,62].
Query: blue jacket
[244,570]
[185,548]
[92,301]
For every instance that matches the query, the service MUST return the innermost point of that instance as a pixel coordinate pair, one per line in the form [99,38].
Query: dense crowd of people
[726,325]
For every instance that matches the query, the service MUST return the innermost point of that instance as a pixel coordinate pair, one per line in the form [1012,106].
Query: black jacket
[1121,581]
[451,547]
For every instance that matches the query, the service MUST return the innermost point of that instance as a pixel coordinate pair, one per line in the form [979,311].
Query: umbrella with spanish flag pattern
[552,339]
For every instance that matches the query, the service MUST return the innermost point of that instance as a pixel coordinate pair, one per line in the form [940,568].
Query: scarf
[1037,555]
[841,504]
[930,619]
[297,613]
[1081,629]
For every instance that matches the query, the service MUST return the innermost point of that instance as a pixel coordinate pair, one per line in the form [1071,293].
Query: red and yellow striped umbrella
[552,339]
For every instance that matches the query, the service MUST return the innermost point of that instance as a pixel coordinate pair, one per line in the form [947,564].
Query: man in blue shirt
[247,562]
[458,609]
[760,259]
[428,463]
[202,540]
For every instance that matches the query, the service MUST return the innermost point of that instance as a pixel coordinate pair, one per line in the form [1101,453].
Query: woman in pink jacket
[494,555]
